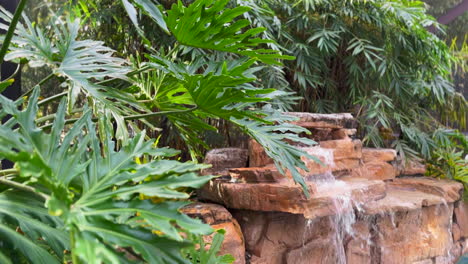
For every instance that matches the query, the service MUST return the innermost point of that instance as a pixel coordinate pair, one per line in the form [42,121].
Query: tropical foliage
[375,59]
[450,159]
[88,185]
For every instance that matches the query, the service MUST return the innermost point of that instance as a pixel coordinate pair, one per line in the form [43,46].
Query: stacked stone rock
[398,219]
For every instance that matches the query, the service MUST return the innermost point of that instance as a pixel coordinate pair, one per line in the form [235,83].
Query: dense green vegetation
[84,168]
[110,82]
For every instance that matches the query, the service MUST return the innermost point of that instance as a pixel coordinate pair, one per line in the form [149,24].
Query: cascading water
[343,220]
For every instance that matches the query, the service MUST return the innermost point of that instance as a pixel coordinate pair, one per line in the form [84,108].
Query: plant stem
[132,117]
[7,172]
[72,246]
[23,187]
[52,98]
[52,116]
[11,29]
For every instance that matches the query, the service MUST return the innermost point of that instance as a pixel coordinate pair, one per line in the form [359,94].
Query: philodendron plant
[82,174]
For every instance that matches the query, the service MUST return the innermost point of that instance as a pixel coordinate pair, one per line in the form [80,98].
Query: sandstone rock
[464,245]
[426,261]
[414,235]
[209,213]
[318,251]
[219,218]
[289,238]
[288,197]
[257,175]
[319,134]
[257,155]
[378,154]
[335,155]
[414,168]
[453,255]
[400,200]
[358,249]
[461,217]
[344,148]
[342,133]
[233,242]
[225,158]
[375,170]
[344,120]
[326,134]
[447,189]
[456,232]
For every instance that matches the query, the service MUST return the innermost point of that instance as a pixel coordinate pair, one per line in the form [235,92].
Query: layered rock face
[361,208]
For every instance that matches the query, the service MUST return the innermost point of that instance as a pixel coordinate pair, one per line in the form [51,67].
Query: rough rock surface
[375,170]
[410,236]
[282,238]
[344,120]
[358,212]
[219,218]
[257,155]
[413,168]
[461,218]
[225,158]
[257,175]
[449,190]
[290,198]
[378,154]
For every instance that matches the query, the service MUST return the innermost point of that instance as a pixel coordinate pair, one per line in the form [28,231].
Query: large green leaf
[82,63]
[87,178]
[22,210]
[208,24]
[30,249]
[223,91]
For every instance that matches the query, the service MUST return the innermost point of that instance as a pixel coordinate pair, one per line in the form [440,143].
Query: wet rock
[358,249]
[289,238]
[411,236]
[318,251]
[224,158]
[448,190]
[453,255]
[461,217]
[289,197]
[344,120]
[257,155]
[400,200]
[378,154]
[335,155]
[219,218]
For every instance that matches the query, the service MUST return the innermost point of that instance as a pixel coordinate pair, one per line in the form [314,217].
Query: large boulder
[415,235]
[282,238]
[289,197]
